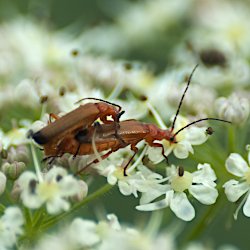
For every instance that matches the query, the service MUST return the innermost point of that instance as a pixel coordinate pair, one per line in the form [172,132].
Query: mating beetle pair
[74,132]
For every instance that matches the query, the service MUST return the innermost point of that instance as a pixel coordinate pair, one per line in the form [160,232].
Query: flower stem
[52,221]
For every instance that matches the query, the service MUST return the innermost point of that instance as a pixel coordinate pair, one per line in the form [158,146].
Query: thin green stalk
[88,199]
[2,208]
[28,219]
[231,139]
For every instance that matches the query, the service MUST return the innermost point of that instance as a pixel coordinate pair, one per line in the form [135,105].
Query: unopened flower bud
[82,192]
[13,170]
[4,154]
[15,192]
[3,180]
[234,108]
[19,153]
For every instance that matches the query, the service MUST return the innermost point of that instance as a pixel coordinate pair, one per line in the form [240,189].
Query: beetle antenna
[101,100]
[183,95]
[200,120]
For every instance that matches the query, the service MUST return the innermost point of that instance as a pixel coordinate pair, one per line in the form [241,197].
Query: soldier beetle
[129,132]
[78,119]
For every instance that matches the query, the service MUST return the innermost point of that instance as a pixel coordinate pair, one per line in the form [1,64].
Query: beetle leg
[52,115]
[135,149]
[103,157]
[159,145]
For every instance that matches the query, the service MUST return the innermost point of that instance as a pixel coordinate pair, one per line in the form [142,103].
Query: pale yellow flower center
[47,190]
[247,177]
[181,183]
[119,173]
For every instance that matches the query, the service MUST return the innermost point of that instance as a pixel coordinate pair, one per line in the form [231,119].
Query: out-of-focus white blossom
[54,190]
[10,227]
[234,108]
[105,235]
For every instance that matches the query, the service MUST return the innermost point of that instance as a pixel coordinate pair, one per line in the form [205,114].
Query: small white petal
[196,135]
[125,188]
[246,207]
[153,193]
[25,178]
[57,205]
[205,194]
[31,200]
[153,206]
[54,173]
[111,179]
[205,173]
[236,165]
[181,206]
[155,155]
[182,149]
[234,190]
[68,186]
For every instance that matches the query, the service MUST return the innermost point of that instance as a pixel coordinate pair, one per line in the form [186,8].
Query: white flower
[234,189]
[10,227]
[199,183]
[53,190]
[185,139]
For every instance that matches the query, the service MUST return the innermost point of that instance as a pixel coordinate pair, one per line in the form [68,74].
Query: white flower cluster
[11,224]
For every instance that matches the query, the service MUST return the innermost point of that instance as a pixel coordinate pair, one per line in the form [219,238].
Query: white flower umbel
[234,189]
[10,227]
[185,139]
[53,190]
[201,184]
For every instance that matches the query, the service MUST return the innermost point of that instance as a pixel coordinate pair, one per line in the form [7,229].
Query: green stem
[89,198]
[2,208]
[28,225]
[231,139]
